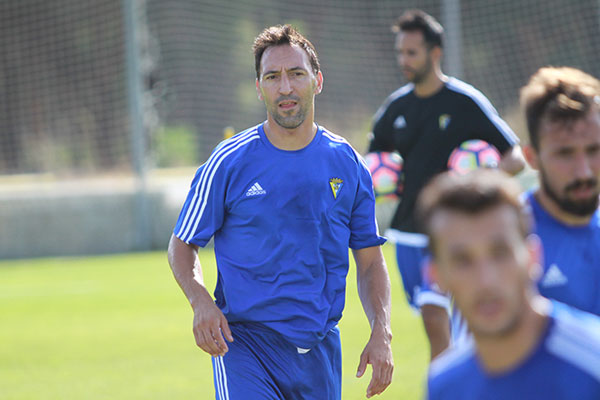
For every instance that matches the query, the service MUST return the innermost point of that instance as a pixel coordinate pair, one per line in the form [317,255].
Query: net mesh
[63,88]
[62,104]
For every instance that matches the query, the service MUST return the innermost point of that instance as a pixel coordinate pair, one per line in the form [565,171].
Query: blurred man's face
[568,160]
[413,56]
[484,262]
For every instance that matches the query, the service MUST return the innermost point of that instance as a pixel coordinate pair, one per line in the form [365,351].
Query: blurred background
[107,107]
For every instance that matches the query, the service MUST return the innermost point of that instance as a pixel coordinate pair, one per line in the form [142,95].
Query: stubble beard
[419,76]
[505,330]
[291,121]
[582,208]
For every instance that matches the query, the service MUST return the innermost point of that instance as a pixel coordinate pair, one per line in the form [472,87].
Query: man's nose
[285,86]
[583,167]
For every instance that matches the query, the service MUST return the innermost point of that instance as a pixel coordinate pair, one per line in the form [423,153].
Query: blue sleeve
[428,395]
[363,225]
[435,389]
[204,208]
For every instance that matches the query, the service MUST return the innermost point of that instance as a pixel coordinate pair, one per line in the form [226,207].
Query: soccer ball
[471,155]
[386,172]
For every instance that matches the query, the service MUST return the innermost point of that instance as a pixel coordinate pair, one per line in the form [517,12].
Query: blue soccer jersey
[282,223]
[565,365]
[571,259]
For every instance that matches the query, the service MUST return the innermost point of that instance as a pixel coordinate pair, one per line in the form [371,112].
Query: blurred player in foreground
[562,108]
[283,200]
[523,346]
[425,121]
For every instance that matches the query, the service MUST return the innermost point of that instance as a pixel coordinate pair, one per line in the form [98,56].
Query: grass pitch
[118,327]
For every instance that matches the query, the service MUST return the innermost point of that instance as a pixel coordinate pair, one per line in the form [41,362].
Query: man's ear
[436,53]
[319,79]
[258,92]
[531,156]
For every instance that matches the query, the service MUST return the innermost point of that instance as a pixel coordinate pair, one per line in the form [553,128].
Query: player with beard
[522,346]
[424,121]
[562,108]
[283,201]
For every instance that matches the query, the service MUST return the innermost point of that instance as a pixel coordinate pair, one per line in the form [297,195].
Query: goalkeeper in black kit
[424,121]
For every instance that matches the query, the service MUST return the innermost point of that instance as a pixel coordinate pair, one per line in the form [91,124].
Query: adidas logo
[400,122]
[554,277]
[255,190]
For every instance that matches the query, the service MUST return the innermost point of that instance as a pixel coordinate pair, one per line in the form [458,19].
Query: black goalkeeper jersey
[426,130]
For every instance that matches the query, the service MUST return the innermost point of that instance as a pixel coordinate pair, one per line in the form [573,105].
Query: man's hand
[211,329]
[210,325]
[378,353]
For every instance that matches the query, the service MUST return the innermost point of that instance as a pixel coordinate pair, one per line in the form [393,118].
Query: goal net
[63,74]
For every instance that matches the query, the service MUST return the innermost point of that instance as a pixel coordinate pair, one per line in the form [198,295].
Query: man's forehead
[413,37]
[284,56]
[456,227]
[565,131]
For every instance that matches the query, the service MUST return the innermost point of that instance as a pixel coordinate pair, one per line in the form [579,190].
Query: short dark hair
[557,94]
[471,194]
[420,21]
[281,35]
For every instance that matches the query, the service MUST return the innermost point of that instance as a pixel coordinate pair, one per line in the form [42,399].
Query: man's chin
[582,207]
[289,124]
[408,76]
[491,330]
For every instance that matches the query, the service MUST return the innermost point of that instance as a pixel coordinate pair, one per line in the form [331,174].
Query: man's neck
[559,214]
[431,84]
[501,354]
[290,139]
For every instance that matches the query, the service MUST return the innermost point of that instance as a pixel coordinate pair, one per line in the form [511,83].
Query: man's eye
[461,261]
[593,150]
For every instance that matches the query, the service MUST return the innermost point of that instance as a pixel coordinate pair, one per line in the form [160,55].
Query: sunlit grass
[118,327]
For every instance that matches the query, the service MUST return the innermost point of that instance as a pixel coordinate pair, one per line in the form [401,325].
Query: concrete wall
[40,217]
[80,218]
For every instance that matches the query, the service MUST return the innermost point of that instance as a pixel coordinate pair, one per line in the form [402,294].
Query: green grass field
[118,327]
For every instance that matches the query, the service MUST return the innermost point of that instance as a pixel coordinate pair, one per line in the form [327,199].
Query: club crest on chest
[336,185]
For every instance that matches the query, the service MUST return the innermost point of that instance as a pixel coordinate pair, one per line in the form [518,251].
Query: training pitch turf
[118,327]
